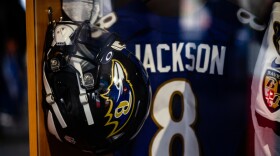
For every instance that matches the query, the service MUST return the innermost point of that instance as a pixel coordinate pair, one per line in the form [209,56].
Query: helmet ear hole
[51,125]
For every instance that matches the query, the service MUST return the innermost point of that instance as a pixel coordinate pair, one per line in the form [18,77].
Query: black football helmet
[97,93]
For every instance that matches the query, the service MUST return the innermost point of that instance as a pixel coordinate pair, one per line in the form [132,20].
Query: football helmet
[96,93]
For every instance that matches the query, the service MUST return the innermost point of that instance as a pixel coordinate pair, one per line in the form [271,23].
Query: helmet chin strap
[62,37]
[50,100]
[51,125]
[83,95]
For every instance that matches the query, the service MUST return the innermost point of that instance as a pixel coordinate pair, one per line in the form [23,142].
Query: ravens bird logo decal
[120,95]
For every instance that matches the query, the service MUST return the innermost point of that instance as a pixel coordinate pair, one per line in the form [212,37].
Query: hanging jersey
[265,90]
[200,66]
[266,79]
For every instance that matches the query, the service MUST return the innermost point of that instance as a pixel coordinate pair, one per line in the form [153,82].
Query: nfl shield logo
[271,93]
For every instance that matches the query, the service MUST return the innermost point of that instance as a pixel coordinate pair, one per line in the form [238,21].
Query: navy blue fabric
[223,114]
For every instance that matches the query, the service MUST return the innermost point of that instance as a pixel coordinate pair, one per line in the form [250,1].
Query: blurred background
[13,78]
[13,81]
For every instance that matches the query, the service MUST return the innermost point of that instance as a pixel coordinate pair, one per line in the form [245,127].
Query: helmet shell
[115,83]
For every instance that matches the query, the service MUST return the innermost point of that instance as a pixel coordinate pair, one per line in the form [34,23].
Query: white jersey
[265,89]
